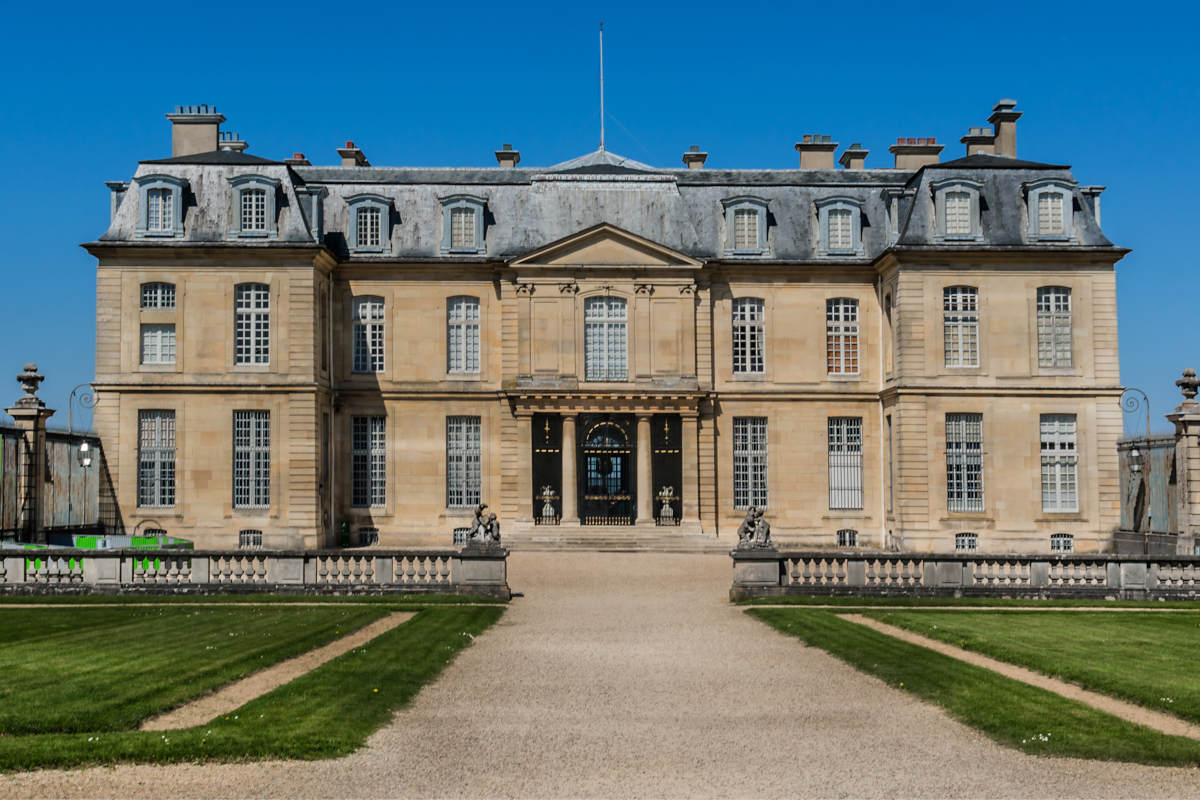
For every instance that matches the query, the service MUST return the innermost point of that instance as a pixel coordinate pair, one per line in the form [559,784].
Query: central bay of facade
[921,357]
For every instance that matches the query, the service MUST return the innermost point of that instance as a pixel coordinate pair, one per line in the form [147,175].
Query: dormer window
[840,225]
[745,226]
[462,224]
[956,209]
[161,212]
[370,228]
[1050,210]
[253,206]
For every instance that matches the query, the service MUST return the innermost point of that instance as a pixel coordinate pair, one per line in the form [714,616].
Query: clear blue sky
[1111,89]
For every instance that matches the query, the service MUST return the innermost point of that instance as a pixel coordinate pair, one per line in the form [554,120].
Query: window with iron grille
[847,537]
[1050,214]
[158,297]
[964,462]
[1060,490]
[841,336]
[745,229]
[748,338]
[958,214]
[251,459]
[462,335]
[158,344]
[368,226]
[249,540]
[606,353]
[1062,543]
[368,334]
[462,462]
[960,323]
[254,209]
[368,462]
[252,324]
[749,462]
[160,211]
[368,536]
[966,542]
[841,230]
[845,463]
[156,459]
[462,229]
[1054,326]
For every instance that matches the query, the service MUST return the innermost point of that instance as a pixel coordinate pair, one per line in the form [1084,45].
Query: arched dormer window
[745,226]
[956,210]
[840,220]
[160,214]
[462,224]
[253,211]
[369,225]
[1050,209]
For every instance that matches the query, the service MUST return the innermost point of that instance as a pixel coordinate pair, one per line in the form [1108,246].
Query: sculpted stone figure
[484,531]
[755,531]
[745,531]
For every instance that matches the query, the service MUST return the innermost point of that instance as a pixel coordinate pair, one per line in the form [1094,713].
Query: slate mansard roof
[527,208]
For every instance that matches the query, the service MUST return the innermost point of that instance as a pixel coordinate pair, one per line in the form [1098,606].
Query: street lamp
[87,399]
[1131,404]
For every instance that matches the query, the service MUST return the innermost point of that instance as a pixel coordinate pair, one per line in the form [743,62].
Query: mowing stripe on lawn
[1172,726]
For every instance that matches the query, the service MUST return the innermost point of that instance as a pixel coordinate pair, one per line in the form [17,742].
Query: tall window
[156,458]
[369,226]
[845,463]
[1060,491]
[841,229]
[964,462]
[251,459]
[462,462]
[252,324]
[749,462]
[462,229]
[841,336]
[368,334]
[1054,326]
[960,312]
[462,334]
[958,213]
[745,229]
[748,338]
[158,297]
[158,344]
[368,461]
[606,352]
[254,209]
[160,211]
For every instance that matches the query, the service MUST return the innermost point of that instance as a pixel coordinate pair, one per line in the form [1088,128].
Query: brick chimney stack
[914,153]
[297,160]
[352,156]
[1004,118]
[979,141]
[194,129]
[854,157]
[816,151]
[694,158]
[507,157]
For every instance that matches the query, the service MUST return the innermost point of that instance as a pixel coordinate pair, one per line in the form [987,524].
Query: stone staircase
[613,539]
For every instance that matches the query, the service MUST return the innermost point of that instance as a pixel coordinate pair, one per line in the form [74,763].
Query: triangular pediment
[604,245]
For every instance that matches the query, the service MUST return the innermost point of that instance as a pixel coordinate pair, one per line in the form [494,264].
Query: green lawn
[1008,711]
[395,600]
[326,713]
[1150,659]
[106,669]
[919,602]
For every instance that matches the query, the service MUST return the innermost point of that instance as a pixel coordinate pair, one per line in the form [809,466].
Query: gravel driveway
[629,675]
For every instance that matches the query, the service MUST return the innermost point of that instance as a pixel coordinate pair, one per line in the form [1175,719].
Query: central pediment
[605,245]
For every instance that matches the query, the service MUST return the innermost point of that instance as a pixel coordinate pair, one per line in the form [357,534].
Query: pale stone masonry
[801,339]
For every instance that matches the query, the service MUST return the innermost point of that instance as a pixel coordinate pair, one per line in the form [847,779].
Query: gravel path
[623,675]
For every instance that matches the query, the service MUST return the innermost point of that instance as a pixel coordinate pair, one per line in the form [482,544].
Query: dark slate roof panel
[216,157]
[988,161]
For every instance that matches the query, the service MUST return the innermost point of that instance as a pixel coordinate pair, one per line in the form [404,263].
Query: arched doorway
[606,467]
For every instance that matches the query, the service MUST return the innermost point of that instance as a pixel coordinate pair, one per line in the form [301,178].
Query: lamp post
[87,399]
[1130,403]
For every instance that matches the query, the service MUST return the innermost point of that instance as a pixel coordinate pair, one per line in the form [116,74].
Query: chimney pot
[297,160]
[816,151]
[352,156]
[194,129]
[694,158]
[914,153]
[979,141]
[507,157]
[1004,119]
[854,157]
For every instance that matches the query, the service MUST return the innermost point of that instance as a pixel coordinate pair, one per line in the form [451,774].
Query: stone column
[1186,419]
[524,468]
[29,415]
[570,495]
[645,492]
[690,459]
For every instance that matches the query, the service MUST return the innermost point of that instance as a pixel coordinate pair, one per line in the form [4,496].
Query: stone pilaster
[29,416]
[570,495]
[1186,419]
[689,454]
[525,468]
[645,494]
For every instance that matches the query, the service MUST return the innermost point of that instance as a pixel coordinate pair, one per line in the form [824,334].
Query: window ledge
[847,514]
[844,377]
[1061,516]
[463,376]
[166,366]
[251,368]
[1053,238]
[749,376]
[968,516]
[159,234]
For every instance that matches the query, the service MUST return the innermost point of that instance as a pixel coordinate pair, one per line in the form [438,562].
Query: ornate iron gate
[606,477]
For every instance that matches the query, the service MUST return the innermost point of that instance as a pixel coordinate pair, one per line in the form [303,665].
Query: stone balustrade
[765,573]
[469,571]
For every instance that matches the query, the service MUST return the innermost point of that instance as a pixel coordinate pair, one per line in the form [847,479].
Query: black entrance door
[606,477]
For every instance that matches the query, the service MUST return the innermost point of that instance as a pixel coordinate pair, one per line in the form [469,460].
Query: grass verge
[1010,712]
[1149,659]
[396,600]
[326,713]
[998,602]
[106,669]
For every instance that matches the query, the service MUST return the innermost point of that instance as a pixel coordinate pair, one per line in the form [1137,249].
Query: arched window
[369,222]
[605,343]
[745,226]
[956,208]
[1050,205]
[253,206]
[840,223]
[161,212]
[462,224]
[462,335]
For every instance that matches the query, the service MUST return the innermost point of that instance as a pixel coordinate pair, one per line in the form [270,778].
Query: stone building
[921,357]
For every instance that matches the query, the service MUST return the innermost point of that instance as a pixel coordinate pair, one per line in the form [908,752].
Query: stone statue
[755,531]
[484,531]
[549,514]
[666,514]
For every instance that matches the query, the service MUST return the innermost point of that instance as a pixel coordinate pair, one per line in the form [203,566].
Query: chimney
[1004,118]
[352,156]
[816,151]
[117,191]
[507,157]
[854,157]
[297,160]
[194,129]
[979,141]
[1091,195]
[694,158]
[229,140]
[913,153]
